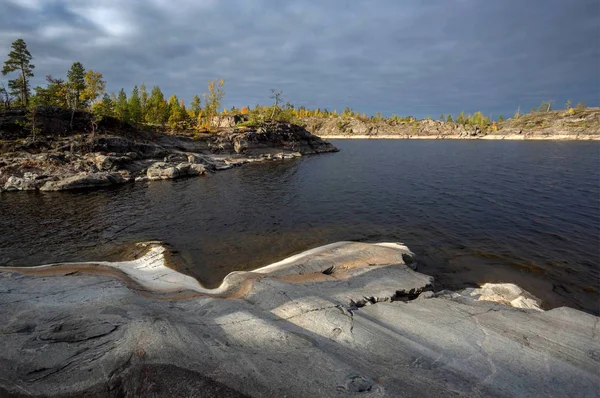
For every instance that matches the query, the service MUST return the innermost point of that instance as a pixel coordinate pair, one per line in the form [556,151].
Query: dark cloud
[395,57]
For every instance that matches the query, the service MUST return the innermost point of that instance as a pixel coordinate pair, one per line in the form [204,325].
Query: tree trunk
[24,97]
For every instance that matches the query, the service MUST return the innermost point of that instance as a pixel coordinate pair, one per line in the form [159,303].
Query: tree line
[86,90]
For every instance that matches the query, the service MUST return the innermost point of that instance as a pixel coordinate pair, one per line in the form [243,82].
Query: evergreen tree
[105,106]
[75,84]
[135,106]
[175,112]
[122,107]
[461,119]
[19,60]
[144,100]
[442,118]
[500,118]
[195,106]
[56,91]
[157,109]
[449,119]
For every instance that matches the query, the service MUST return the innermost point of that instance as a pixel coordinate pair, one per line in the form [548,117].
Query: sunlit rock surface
[343,319]
[505,293]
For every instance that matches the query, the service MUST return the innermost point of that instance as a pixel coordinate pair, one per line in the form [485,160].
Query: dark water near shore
[473,211]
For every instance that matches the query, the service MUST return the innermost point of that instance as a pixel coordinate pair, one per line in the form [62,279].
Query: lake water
[473,212]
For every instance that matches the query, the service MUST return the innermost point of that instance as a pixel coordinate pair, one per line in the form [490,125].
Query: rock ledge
[338,320]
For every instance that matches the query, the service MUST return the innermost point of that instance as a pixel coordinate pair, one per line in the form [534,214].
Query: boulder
[107,163]
[240,144]
[162,171]
[227,121]
[167,171]
[196,170]
[14,184]
[29,182]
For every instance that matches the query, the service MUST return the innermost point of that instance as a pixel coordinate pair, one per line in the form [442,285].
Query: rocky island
[583,124]
[341,320]
[66,154]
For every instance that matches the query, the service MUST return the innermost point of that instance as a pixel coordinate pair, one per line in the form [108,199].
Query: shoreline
[69,163]
[494,137]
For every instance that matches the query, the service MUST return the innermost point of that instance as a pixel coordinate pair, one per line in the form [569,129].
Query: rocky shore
[554,125]
[341,320]
[62,157]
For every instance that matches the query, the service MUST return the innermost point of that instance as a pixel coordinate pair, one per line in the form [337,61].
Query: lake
[472,211]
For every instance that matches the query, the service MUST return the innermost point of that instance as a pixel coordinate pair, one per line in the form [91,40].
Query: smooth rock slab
[328,322]
[84,181]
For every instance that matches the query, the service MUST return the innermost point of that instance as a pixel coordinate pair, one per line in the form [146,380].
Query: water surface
[473,211]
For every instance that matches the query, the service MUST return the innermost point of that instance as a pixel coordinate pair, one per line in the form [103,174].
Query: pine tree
[157,109]
[19,59]
[183,114]
[56,92]
[135,106]
[122,107]
[105,106]
[195,107]
[500,118]
[174,111]
[449,119]
[75,84]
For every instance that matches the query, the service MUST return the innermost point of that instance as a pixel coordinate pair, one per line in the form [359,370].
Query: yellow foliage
[571,111]
[244,111]
[94,86]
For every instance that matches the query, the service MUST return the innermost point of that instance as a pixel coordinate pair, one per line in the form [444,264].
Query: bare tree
[5,96]
[277,96]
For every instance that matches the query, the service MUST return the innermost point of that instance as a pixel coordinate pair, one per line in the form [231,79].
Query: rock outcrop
[344,319]
[59,159]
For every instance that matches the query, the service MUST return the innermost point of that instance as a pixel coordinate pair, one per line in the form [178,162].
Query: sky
[410,57]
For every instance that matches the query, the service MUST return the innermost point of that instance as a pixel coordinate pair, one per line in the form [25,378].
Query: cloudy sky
[406,57]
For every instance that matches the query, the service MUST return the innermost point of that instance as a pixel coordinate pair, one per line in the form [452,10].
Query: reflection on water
[474,212]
